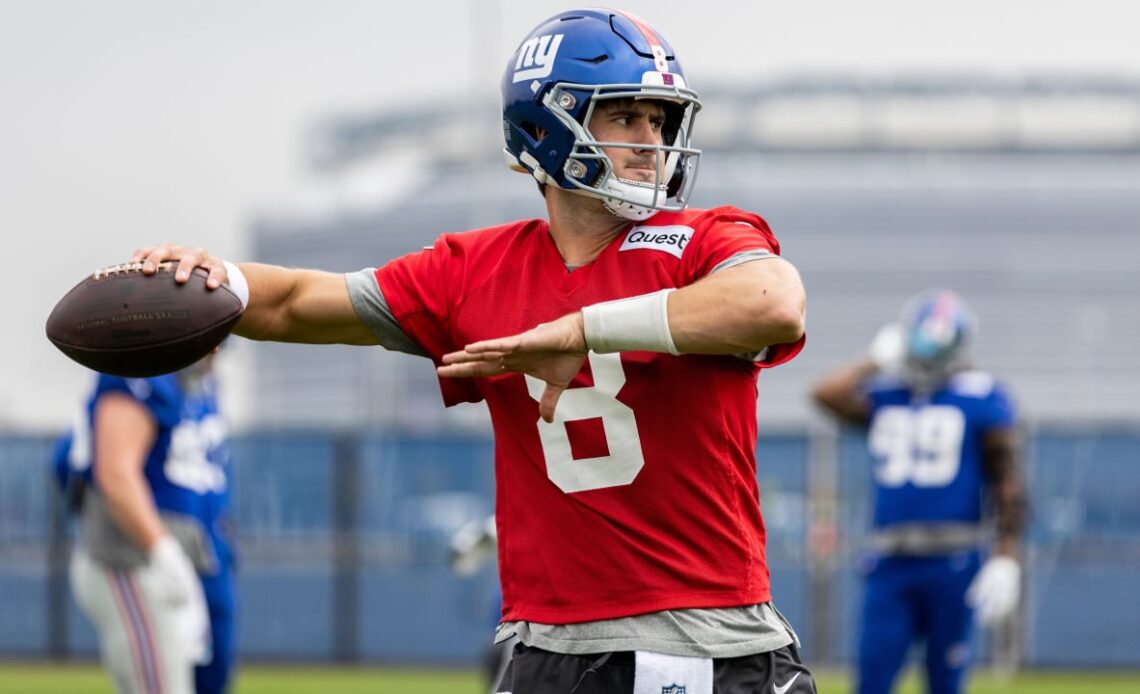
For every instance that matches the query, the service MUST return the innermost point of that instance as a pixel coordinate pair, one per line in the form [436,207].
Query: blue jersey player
[942,437]
[153,565]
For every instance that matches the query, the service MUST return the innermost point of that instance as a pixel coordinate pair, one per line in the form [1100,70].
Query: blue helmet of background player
[554,81]
[939,331]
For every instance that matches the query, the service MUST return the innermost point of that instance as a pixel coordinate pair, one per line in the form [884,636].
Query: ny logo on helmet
[536,55]
[673,689]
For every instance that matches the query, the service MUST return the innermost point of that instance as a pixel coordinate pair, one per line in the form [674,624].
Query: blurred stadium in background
[351,477]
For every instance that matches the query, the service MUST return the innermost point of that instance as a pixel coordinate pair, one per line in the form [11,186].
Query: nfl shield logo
[673,689]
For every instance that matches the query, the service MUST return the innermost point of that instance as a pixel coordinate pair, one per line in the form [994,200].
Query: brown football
[122,322]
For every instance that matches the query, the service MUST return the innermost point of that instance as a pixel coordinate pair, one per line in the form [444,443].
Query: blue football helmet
[939,333]
[553,82]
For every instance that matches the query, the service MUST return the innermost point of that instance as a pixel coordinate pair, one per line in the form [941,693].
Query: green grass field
[55,678]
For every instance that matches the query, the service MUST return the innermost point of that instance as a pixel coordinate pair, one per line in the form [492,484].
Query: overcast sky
[126,122]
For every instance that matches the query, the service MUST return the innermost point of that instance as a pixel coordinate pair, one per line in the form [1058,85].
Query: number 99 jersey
[187,466]
[641,496]
[928,451]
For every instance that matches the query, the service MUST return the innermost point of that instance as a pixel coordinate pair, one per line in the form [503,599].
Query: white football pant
[142,640]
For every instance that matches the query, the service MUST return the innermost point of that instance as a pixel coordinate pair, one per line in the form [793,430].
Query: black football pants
[535,671]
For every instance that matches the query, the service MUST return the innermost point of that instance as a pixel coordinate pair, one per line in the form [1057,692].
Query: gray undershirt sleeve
[743,257]
[373,309]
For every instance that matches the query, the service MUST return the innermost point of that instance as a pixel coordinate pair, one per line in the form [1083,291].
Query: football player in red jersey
[617,345]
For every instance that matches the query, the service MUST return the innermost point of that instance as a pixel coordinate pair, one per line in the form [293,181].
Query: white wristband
[237,283]
[627,325]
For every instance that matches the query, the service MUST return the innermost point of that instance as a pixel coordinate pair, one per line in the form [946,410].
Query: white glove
[173,571]
[889,348]
[473,545]
[182,590]
[995,590]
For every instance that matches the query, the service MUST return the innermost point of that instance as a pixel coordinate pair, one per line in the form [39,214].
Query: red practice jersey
[641,496]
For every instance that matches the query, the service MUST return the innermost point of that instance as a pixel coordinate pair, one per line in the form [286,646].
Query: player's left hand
[994,592]
[552,352]
[172,571]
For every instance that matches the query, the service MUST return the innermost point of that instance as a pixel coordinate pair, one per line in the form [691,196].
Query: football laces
[165,265]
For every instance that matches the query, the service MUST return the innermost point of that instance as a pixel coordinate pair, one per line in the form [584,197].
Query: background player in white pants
[150,455]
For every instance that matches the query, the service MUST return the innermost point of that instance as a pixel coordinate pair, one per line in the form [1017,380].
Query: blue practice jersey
[928,450]
[187,468]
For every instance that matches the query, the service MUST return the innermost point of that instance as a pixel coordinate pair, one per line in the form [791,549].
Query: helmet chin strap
[637,201]
[629,191]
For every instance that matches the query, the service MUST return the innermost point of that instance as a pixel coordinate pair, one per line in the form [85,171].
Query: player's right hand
[188,258]
[173,571]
